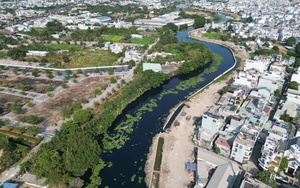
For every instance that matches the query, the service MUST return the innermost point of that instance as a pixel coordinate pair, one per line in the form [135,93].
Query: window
[241,147]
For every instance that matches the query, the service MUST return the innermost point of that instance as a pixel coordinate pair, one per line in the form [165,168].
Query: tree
[171,26]
[286,118]
[16,53]
[291,41]
[276,93]
[265,177]
[230,28]
[33,130]
[199,22]
[24,71]
[113,80]
[288,69]
[275,48]
[16,108]
[66,111]
[293,85]
[284,163]
[82,116]
[31,119]
[297,48]
[66,58]
[110,71]
[35,72]
[183,27]
[249,19]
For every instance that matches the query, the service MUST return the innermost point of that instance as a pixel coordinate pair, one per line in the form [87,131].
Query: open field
[49,110]
[215,36]
[65,46]
[93,58]
[7,99]
[114,38]
[37,85]
[146,40]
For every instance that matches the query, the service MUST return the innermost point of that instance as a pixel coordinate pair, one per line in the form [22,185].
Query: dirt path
[178,146]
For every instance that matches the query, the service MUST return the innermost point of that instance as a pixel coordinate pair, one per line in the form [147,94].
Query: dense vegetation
[66,156]
[78,145]
[194,55]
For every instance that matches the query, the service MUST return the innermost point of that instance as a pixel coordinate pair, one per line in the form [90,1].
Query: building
[243,143]
[223,170]
[155,67]
[224,142]
[36,53]
[211,122]
[273,149]
[292,153]
[258,65]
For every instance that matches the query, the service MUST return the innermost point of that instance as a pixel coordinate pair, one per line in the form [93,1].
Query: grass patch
[3,55]
[114,38]
[158,156]
[146,40]
[90,59]
[65,47]
[215,36]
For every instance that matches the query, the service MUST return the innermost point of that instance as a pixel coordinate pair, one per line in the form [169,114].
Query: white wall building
[258,65]
[271,152]
[243,144]
[211,122]
[293,156]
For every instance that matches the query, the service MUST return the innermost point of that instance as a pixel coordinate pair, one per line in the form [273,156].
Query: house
[243,143]
[211,122]
[155,67]
[253,183]
[258,65]
[224,171]
[267,82]
[36,53]
[292,153]
[296,76]
[273,149]
[224,142]
[136,36]
[247,78]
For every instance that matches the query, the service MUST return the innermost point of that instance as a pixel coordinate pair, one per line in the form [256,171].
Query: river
[129,161]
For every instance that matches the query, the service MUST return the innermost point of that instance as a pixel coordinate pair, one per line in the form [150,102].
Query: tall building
[244,143]
[273,149]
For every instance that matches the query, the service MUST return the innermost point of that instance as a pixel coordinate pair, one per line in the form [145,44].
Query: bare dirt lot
[7,99]
[49,110]
[37,85]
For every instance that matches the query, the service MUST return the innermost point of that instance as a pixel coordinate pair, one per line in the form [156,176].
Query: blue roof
[10,185]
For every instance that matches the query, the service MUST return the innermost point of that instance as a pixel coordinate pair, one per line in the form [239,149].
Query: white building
[243,144]
[272,150]
[258,65]
[293,155]
[296,76]
[155,67]
[36,53]
[211,122]
[248,78]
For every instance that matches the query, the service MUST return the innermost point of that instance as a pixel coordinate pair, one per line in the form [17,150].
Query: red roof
[223,142]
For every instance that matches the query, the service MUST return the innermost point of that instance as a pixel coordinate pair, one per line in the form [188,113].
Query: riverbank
[238,52]
[178,146]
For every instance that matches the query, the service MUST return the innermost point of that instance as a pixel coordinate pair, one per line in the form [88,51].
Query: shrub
[16,108]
